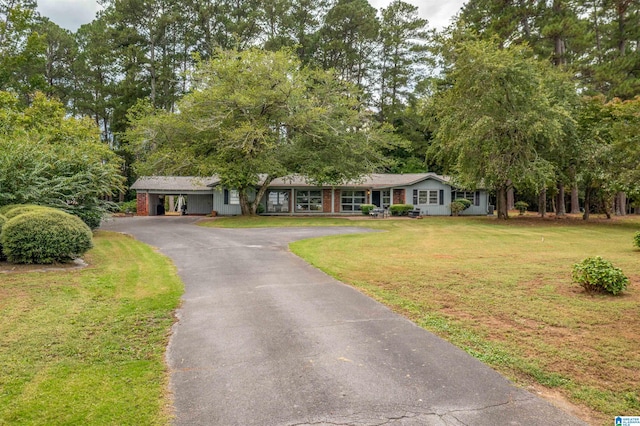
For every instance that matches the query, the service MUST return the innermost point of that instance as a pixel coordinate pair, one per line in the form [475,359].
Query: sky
[71,14]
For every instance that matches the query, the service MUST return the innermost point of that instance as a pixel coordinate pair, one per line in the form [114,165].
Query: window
[429,197]
[308,201]
[278,202]
[231,196]
[469,195]
[350,201]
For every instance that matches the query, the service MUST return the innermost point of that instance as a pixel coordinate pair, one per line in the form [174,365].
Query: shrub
[636,239]
[596,274]
[91,217]
[456,208]
[4,209]
[45,236]
[400,209]
[466,203]
[128,206]
[521,206]
[21,209]
[2,221]
[366,208]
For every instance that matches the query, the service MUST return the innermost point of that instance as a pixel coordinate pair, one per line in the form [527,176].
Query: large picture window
[308,201]
[386,198]
[350,201]
[278,202]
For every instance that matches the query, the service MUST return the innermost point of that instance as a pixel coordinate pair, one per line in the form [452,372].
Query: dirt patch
[556,398]
[12,268]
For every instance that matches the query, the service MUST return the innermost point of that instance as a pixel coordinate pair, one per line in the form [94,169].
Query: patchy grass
[87,346]
[503,293]
[273,222]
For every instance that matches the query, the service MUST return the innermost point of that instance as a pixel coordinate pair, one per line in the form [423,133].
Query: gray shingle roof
[375,180]
[191,183]
[175,183]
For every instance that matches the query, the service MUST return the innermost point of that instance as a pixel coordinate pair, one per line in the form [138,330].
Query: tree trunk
[245,205]
[560,207]
[607,204]
[542,203]
[587,203]
[575,199]
[503,212]
[621,204]
[511,198]
[260,194]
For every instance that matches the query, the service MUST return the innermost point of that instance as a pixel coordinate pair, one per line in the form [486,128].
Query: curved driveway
[265,339]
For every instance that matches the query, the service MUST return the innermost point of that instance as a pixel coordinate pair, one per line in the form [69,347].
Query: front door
[375,198]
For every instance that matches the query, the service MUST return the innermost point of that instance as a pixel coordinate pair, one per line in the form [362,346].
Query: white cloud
[69,14]
[437,12]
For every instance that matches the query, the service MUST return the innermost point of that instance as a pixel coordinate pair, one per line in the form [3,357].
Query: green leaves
[596,274]
[255,116]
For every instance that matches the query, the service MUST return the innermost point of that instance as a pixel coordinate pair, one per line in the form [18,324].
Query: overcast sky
[71,14]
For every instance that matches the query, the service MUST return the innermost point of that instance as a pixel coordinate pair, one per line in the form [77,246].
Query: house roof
[375,180]
[191,183]
[175,183]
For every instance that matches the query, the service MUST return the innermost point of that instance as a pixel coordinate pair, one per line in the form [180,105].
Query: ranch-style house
[432,194]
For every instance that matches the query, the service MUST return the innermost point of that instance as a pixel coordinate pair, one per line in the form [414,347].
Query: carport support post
[333,197]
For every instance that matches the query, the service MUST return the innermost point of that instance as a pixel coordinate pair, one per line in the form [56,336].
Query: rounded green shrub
[92,218]
[45,236]
[596,274]
[4,209]
[366,208]
[466,203]
[19,209]
[521,206]
[400,209]
[456,207]
[636,239]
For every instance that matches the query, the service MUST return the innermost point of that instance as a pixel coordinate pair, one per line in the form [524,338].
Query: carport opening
[170,204]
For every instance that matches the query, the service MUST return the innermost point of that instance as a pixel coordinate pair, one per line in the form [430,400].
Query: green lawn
[87,346]
[503,292]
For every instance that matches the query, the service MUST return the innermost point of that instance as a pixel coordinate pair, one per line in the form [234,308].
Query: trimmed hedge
[4,209]
[45,236]
[400,209]
[19,209]
[366,208]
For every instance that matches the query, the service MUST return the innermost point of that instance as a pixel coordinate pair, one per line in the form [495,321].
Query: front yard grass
[87,346]
[503,293]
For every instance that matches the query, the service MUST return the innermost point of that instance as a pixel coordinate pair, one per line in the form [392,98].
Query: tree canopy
[499,119]
[255,116]
[49,159]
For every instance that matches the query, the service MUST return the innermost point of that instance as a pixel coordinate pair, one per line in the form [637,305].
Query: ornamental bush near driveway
[636,239]
[44,236]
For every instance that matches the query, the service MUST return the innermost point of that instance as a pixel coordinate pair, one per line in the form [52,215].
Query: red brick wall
[326,201]
[142,204]
[398,196]
[336,201]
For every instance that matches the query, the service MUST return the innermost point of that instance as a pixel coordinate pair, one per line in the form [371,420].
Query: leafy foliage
[366,208]
[636,239]
[466,203]
[521,206]
[256,116]
[400,209]
[49,159]
[45,236]
[499,118]
[19,209]
[456,207]
[3,219]
[596,274]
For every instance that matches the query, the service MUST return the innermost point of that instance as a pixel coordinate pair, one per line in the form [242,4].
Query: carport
[173,192]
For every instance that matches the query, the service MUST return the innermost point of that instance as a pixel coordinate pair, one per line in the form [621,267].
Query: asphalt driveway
[265,339]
